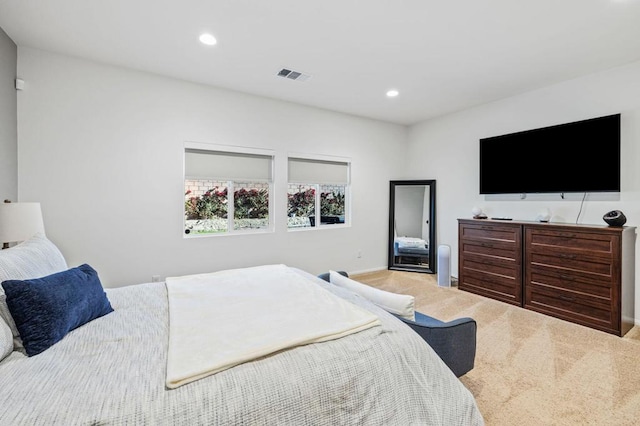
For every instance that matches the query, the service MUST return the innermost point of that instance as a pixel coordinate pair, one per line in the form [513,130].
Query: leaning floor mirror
[412,225]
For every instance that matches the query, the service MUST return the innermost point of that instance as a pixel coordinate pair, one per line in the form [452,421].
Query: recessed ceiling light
[208,39]
[392,93]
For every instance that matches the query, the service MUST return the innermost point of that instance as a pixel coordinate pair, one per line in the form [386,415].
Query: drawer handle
[566,298]
[567,277]
[567,256]
[487,245]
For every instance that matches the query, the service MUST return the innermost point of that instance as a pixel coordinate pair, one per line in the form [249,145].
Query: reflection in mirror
[412,225]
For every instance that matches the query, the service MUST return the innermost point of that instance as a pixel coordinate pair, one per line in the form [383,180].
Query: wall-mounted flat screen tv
[582,156]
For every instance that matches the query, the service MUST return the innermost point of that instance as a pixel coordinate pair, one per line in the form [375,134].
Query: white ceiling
[442,56]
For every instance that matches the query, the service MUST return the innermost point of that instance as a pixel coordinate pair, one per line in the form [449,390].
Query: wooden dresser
[579,273]
[490,259]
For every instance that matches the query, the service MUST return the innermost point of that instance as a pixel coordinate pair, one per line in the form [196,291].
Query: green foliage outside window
[331,204]
[211,204]
[251,204]
[303,202]
[248,204]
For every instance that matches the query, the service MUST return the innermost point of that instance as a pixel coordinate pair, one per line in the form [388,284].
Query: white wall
[8,120]
[101,148]
[446,149]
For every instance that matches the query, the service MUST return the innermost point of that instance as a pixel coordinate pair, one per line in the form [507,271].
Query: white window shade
[203,164]
[303,170]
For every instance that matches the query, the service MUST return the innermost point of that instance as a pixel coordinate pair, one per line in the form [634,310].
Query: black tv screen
[583,156]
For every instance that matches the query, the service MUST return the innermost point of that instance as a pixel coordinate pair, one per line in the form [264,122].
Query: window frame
[230,184]
[317,186]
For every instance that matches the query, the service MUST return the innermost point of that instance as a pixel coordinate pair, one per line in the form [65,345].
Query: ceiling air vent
[293,75]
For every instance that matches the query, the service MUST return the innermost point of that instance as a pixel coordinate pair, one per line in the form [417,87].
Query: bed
[410,249]
[112,371]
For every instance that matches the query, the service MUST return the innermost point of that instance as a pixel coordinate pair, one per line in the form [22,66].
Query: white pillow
[34,258]
[6,340]
[398,304]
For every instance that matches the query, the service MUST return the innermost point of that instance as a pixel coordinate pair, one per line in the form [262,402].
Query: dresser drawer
[490,266]
[571,243]
[575,281]
[488,282]
[572,306]
[504,252]
[571,262]
[489,232]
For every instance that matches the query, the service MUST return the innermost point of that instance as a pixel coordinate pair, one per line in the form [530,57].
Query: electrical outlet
[155,278]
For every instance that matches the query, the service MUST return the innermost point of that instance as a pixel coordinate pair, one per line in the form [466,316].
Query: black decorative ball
[615,218]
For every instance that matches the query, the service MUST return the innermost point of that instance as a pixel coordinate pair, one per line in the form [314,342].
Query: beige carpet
[532,369]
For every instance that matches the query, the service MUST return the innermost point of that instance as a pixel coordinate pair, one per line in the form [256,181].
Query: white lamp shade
[20,221]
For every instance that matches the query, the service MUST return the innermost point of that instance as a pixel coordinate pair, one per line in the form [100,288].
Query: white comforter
[209,330]
[112,372]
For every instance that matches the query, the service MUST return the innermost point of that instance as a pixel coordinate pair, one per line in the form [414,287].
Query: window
[227,190]
[318,187]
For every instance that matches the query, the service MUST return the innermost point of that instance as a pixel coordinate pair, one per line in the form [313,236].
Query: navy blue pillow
[46,309]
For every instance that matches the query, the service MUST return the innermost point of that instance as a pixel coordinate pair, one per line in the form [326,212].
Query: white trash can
[444,266]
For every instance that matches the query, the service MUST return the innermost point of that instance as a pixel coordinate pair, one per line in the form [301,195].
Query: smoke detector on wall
[293,75]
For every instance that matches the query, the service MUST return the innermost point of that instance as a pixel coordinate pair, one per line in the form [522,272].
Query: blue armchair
[453,341]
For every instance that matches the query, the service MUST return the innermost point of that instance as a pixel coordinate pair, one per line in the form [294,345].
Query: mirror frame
[431,269]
